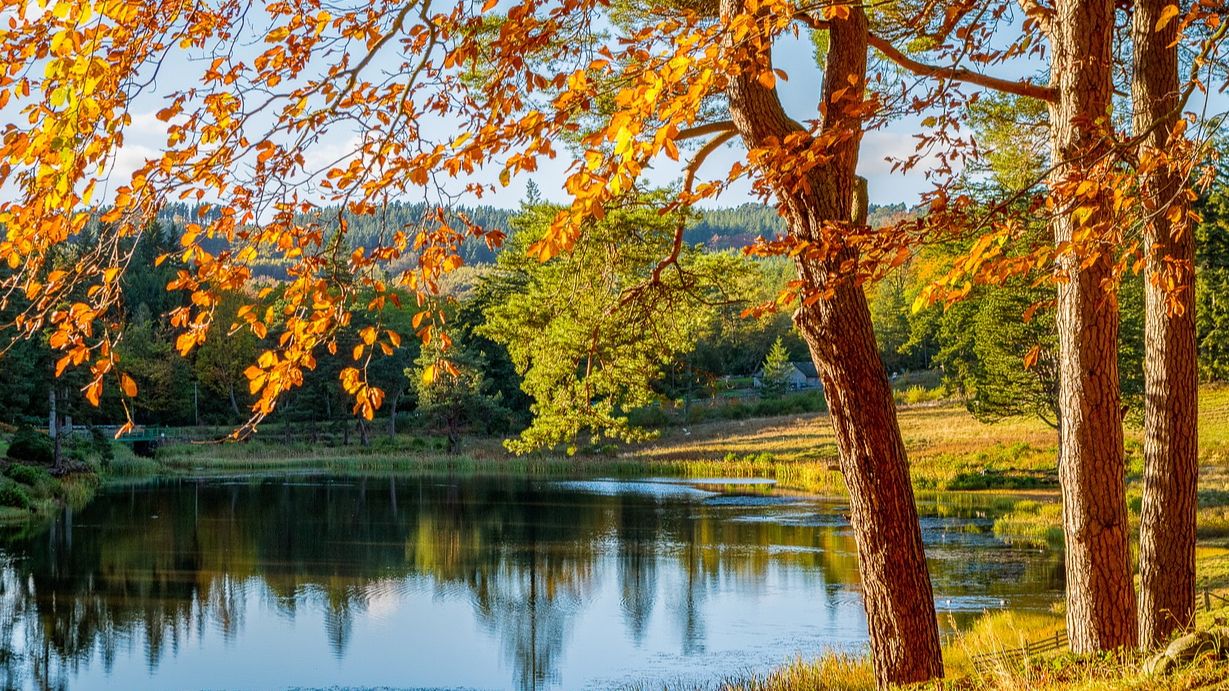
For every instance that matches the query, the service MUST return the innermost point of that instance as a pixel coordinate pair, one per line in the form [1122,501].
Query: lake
[462,583]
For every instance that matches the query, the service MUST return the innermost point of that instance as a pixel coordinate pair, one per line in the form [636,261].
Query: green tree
[220,362]
[774,374]
[593,330]
[163,380]
[453,395]
[1212,282]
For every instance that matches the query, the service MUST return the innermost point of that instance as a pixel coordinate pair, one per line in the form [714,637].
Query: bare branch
[962,74]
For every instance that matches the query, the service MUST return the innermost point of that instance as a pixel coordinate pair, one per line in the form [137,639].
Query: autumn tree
[1094,207]
[245,132]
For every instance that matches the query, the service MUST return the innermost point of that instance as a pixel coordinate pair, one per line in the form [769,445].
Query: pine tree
[775,371]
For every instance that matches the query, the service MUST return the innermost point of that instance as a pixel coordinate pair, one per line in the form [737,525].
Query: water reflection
[483,583]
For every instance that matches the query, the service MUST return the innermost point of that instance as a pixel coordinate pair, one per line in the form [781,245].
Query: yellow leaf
[1167,15]
[768,80]
[129,386]
[489,5]
[428,375]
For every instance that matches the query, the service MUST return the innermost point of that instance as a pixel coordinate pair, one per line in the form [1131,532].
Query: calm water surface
[460,583]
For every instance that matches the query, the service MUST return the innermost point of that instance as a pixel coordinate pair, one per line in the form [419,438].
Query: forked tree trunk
[1171,453]
[895,581]
[1100,590]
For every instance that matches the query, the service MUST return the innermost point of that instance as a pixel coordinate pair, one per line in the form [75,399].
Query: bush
[27,474]
[38,480]
[13,495]
[919,394]
[32,446]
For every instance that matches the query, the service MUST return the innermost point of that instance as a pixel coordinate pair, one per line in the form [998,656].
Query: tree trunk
[53,428]
[895,582]
[1171,449]
[392,414]
[234,404]
[1100,590]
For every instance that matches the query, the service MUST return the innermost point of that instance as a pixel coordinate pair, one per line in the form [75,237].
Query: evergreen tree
[774,374]
[1212,282]
[455,398]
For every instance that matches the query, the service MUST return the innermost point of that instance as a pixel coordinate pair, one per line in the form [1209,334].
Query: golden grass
[948,449]
[831,673]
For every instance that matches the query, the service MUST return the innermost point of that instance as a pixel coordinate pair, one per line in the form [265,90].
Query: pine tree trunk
[891,559]
[895,581]
[1100,589]
[1171,453]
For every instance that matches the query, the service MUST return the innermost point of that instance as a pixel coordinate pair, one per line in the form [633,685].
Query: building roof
[807,368]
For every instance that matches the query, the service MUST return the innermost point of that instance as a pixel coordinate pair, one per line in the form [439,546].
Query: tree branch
[961,74]
[704,130]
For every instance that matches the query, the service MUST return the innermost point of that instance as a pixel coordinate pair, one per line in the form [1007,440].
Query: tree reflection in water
[146,570]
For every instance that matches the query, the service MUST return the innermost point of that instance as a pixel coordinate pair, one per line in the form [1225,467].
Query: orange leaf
[1030,358]
[93,392]
[129,386]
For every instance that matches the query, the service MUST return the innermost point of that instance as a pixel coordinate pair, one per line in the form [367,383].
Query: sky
[793,54]
[799,94]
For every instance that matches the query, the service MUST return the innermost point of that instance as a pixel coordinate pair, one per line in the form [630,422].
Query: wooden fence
[1208,602]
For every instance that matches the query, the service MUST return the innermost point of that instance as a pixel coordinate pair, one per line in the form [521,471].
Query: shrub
[917,393]
[32,446]
[37,479]
[25,474]
[13,495]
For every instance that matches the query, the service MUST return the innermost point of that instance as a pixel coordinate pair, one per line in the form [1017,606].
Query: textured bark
[1171,454]
[1100,589]
[895,581]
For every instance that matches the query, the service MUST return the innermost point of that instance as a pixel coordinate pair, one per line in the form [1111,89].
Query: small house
[801,375]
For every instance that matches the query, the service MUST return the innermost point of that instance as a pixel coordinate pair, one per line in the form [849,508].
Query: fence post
[1207,600]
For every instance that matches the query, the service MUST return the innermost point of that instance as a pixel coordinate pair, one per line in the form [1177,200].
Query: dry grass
[948,449]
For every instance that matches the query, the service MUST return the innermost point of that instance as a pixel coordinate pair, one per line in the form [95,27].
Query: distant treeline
[714,229]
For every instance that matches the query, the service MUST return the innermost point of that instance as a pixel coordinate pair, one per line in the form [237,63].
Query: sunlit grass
[1032,522]
[834,672]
